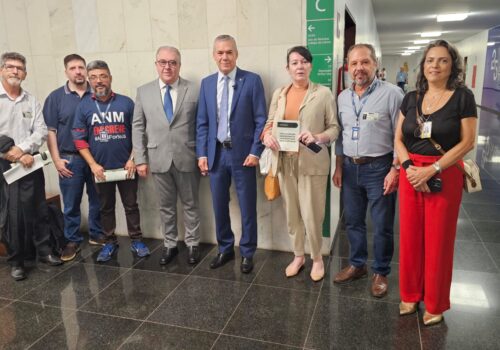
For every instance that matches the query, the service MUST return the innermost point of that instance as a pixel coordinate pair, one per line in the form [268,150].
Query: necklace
[430,104]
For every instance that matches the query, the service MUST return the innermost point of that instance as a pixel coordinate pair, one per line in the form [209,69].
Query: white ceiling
[399,23]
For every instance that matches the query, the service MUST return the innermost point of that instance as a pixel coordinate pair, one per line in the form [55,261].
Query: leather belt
[71,153]
[225,144]
[365,160]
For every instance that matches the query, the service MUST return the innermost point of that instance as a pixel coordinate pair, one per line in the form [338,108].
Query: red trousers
[428,223]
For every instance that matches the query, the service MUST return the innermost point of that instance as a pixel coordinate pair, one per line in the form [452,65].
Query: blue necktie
[223,112]
[167,104]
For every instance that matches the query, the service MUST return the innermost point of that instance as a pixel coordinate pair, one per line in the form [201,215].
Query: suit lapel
[181,93]
[238,87]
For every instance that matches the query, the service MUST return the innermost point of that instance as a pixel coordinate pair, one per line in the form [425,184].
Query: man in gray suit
[163,136]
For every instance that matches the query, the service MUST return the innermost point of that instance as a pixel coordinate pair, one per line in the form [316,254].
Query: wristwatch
[437,167]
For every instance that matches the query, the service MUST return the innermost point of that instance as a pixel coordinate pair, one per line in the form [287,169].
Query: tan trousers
[304,197]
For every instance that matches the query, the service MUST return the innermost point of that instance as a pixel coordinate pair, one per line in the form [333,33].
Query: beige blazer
[317,114]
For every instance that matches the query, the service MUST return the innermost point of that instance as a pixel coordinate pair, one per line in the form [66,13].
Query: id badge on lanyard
[426,130]
[355,133]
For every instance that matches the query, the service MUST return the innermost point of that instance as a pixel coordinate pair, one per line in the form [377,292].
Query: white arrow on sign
[328,59]
[311,28]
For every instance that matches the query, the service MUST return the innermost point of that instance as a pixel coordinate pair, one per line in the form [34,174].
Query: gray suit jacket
[159,143]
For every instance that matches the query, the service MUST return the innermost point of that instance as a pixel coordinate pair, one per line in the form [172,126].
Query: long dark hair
[456,77]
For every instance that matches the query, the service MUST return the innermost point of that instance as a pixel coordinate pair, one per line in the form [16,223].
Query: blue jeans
[362,187]
[72,192]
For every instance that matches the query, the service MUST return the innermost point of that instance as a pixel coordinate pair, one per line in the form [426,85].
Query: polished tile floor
[132,303]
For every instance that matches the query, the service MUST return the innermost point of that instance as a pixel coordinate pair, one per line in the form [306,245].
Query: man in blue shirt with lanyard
[102,133]
[74,173]
[367,169]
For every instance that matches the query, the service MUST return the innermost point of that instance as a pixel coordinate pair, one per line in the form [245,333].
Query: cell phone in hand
[435,184]
[312,146]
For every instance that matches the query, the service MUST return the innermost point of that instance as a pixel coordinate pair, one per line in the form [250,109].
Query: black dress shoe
[246,265]
[167,255]
[193,255]
[221,259]
[17,273]
[50,259]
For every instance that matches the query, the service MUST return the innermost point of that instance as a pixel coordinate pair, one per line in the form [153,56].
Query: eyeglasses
[12,67]
[163,63]
[100,77]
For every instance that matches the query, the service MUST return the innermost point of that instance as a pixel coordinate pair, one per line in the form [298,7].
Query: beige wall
[126,33]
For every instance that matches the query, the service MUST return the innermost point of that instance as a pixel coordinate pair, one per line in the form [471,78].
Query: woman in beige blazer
[303,175]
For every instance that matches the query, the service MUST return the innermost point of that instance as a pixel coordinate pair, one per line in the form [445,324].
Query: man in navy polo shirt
[74,173]
[102,135]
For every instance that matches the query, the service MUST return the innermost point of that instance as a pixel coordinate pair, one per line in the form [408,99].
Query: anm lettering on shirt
[109,117]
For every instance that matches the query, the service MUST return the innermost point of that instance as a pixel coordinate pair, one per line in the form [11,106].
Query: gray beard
[103,93]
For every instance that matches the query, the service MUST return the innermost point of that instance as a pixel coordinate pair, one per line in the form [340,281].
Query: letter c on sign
[317,7]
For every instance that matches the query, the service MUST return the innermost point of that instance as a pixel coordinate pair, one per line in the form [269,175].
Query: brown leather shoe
[350,274]
[379,285]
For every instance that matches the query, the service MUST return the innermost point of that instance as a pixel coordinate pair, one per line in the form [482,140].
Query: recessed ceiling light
[430,34]
[406,54]
[452,17]
[414,47]
[423,41]
[491,43]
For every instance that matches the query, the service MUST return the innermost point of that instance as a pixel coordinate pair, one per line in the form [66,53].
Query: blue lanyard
[363,102]
[99,108]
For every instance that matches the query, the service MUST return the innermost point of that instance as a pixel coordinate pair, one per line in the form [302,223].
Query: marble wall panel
[4,40]
[283,18]
[221,19]
[38,19]
[256,59]
[45,72]
[278,75]
[111,26]
[192,18]
[16,26]
[195,64]
[86,26]
[253,24]
[137,25]
[118,64]
[141,69]
[62,26]
[164,23]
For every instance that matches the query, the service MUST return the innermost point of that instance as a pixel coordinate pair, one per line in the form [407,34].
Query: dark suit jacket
[247,118]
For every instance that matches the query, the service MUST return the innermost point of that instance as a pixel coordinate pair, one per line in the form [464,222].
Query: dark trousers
[362,187]
[128,194]
[24,219]
[245,181]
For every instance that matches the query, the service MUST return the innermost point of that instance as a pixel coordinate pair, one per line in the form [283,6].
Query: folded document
[115,175]
[18,171]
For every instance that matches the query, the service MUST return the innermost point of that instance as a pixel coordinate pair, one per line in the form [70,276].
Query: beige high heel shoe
[294,268]
[430,319]
[407,308]
[317,273]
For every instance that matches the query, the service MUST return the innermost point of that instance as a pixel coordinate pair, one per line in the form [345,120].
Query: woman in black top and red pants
[430,185]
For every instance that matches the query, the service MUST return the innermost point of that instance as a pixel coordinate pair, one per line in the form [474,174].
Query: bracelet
[406,164]
[437,167]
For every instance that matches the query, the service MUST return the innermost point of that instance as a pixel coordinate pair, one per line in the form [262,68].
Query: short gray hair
[15,56]
[98,64]
[370,47]
[169,48]
[225,37]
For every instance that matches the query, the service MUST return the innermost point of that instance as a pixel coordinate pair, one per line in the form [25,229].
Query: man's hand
[60,165]
[142,170]
[391,181]
[251,161]
[130,167]
[14,154]
[98,171]
[337,177]
[271,142]
[203,165]
[27,160]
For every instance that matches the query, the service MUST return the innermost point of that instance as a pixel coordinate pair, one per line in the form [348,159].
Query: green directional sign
[320,37]
[319,9]
[322,70]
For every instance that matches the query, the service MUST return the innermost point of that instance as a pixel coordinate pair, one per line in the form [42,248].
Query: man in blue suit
[230,118]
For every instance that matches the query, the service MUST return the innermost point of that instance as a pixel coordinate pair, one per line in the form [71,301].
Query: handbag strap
[438,147]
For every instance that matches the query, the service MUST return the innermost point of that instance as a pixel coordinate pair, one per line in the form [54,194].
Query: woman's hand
[271,142]
[418,176]
[307,137]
